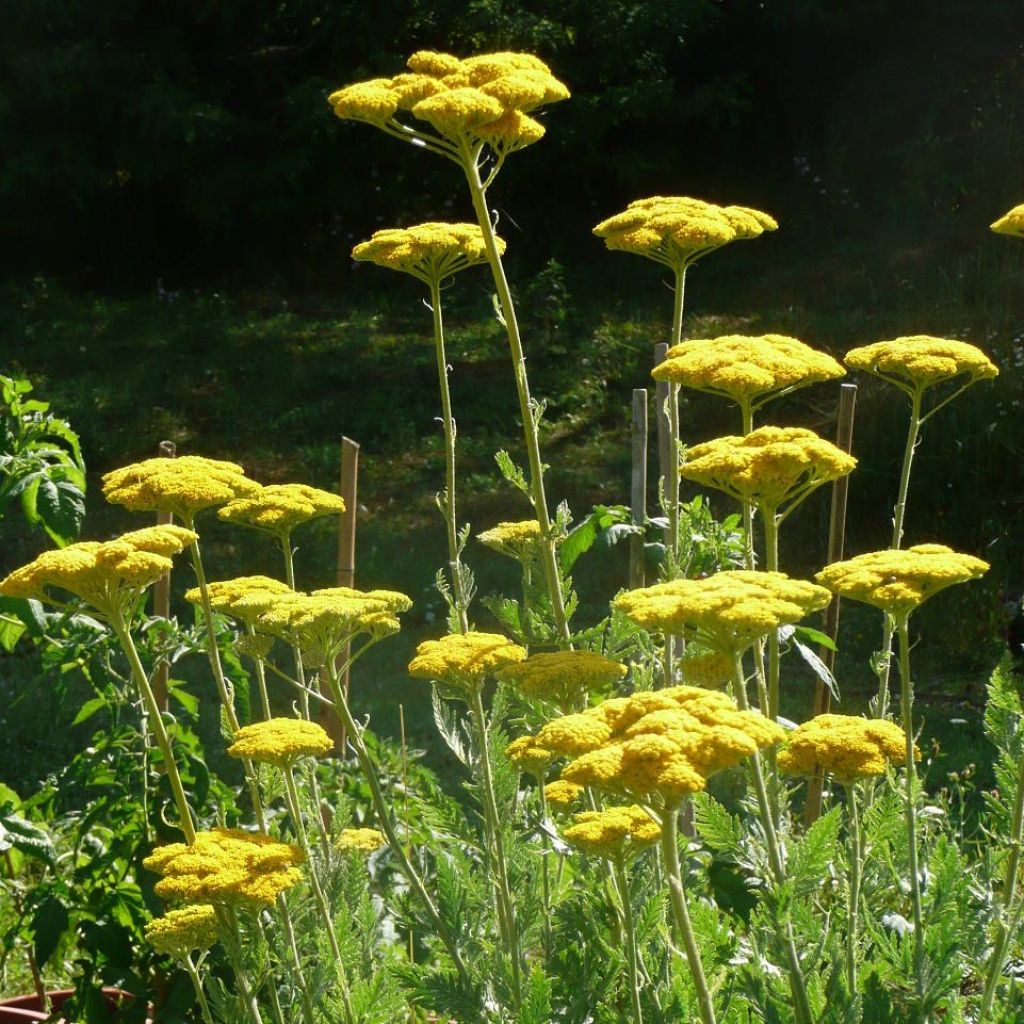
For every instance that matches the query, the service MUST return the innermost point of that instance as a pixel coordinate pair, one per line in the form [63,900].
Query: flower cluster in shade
[529,756]
[487,98]
[659,744]
[898,581]
[563,677]
[360,840]
[280,741]
[462,661]
[562,794]
[844,746]
[226,867]
[710,669]
[748,370]
[109,576]
[767,467]
[726,612]
[183,931]
[1011,223]
[613,831]
[244,598]
[279,508]
[917,362]
[431,252]
[678,230]
[519,540]
[182,486]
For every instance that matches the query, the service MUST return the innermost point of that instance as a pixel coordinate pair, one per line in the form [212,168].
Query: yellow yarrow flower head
[183,931]
[613,831]
[561,795]
[360,840]
[529,756]
[279,508]
[846,747]
[898,581]
[280,741]
[226,867]
[726,612]
[520,540]
[182,486]
[461,661]
[709,669]
[485,99]
[1011,223]
[678,230]
[110,576]
[749,370]
[919,361]
[767,467]
[430,252]
[244,598]
[563,677]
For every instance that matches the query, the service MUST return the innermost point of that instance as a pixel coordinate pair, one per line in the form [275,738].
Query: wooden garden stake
[638,487]
[162,596]
[661,393]
[346,570]
[836,541]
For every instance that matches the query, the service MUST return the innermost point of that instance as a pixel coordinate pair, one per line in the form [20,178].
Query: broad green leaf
[49,923]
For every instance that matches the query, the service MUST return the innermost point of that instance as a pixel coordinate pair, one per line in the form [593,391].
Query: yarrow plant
[627,844]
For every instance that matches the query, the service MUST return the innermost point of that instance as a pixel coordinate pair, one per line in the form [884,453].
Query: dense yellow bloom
[726,612]
[183,486]
[109,576]
[1011,223]
[517,540]
[898,581]
[179,932]
[374,101]
[846,747]
[463,660]
[563,677]
[919,361]
[709,669]
[280,741]
[226,866]
[511,132]
[430,252]
[611,832]
[245,597]
[678,230]
[456,111]
[529,756]
[767,466]
[561,794]
[279,508]
[360,840]
[749,370]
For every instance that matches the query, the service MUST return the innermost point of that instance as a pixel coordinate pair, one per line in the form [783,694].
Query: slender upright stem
[387,825]
[632,955]
[492,818]
[545,866]
[261,675]
[672,484]
[910,771]
[747,412]
[1009,898]
[293,949]
[549,559]
[197,984]
[771,558]
[289,578]
[681,915]
[448,422]
[856,855]
[898,517]
[185,815]
[229,920]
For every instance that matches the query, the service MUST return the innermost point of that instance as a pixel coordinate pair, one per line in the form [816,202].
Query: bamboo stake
[346,573]
[638,487]
[162,596]
[836,542]
[661,396]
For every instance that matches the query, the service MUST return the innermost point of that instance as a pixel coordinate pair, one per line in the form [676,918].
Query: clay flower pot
[26,1009]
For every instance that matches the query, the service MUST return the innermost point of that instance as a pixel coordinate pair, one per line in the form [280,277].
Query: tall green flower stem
[632,955]
[545,868]
[856,855]
[506,914]
[197,985]
[898,516]
[910,769]
[672,484]
[261,675]
[1009,899]
[680,913]
[470,159]
[354,732]
[448,423]
[798,986]
[295,810]
[124,636]
[231,928]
